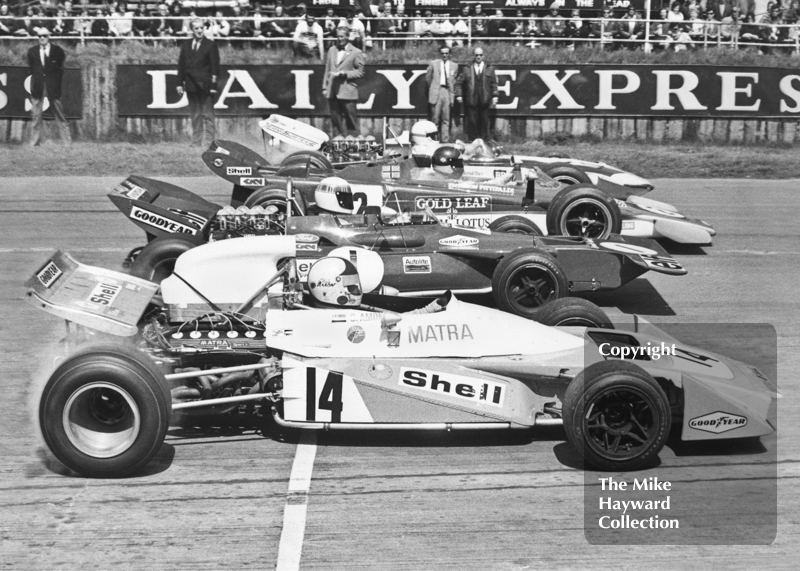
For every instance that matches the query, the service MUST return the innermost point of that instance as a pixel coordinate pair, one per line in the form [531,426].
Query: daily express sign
[525,90]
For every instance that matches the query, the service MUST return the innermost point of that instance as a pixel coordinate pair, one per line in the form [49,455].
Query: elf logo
[479,391]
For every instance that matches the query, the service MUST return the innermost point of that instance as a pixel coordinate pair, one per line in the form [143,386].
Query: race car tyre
[585,211]
[574,312]
[301,163]
[526,280]
[277,197]
[616,415]
[568,175]
[515,225]
[105,411]
[156,261]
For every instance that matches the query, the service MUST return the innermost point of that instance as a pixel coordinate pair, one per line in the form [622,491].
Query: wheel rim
[566,179]
[531,286]
[101,420]
[620,423]
[587,218]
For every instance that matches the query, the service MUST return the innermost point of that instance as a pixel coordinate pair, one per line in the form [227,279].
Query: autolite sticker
[160,222]
[239,171]
[459,242]
[718,422]
[416,265]
[49,274]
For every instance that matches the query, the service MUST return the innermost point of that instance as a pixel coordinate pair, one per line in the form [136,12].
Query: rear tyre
[156,261]
[515,225]
[277,197]
[105,411]
[568,175]
[616,415]
[526,280]
[301,163]
[575,312]
[584,211]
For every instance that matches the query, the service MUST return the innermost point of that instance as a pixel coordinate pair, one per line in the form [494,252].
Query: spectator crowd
[679,25]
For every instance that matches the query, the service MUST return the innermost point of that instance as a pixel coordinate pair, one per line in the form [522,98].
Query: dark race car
[516,191]
[421,256]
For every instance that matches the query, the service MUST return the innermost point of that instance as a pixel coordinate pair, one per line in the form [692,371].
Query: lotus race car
[418,255]
[196,347]
[578,210]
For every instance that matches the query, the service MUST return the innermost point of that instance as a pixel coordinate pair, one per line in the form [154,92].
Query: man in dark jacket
[46,64]
[198,70]
[476,86]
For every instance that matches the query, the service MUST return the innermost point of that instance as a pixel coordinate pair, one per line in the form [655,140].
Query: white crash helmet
[334,281]
[424,133]
[333,194]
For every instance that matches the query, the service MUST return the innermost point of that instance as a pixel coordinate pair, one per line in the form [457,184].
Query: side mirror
[388,320]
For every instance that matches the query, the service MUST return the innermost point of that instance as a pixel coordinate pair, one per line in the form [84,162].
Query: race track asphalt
[214,500]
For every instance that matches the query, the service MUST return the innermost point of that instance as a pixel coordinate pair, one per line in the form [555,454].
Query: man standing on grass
[344,63]
[198,70]
[46,64]
[476,86]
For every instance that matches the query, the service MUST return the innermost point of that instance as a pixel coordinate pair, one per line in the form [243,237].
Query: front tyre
[568,175]
[584,211]
[526,280]
[616,415]
[515,224]
[105,411]
[573,312]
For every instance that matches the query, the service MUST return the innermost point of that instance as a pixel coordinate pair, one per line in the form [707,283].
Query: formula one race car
[105,410]
[421,257]
[450,188]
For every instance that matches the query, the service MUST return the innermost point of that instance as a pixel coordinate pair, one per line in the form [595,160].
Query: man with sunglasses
[476,87]
[46,64]
[440,79]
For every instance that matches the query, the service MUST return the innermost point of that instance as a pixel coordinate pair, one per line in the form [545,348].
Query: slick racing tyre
[277,197]
[574,312]
[156,261]
[585,211]
[105,411]
[526,280]
[616,415]
[515,224]
[568,175]
[303,163]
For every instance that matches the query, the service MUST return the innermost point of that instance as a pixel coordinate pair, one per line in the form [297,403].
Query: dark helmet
[447,158]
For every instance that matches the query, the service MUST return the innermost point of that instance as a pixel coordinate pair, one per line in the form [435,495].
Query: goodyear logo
[49,274]
[459,241]
[718,422]
[160,222]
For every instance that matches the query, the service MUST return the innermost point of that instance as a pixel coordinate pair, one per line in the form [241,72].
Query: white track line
[53,249]
[294,513]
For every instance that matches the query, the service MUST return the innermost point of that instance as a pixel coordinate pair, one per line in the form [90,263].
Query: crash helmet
[333,194]
[334,281]
[424,133]
[447,159]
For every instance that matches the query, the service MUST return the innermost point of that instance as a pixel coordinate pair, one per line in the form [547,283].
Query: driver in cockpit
[334,283]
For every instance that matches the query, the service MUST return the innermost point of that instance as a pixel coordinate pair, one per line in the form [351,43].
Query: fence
[780,38]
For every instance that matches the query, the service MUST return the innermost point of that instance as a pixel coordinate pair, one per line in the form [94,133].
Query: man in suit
[476,86]
[344,63]
[46,64]
[198,70]
[440,79]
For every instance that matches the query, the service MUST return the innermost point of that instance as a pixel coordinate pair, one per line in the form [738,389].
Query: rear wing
[104,300]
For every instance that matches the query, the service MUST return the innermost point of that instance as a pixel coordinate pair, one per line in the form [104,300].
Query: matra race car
[325,361]
[504,186]
[418,255]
